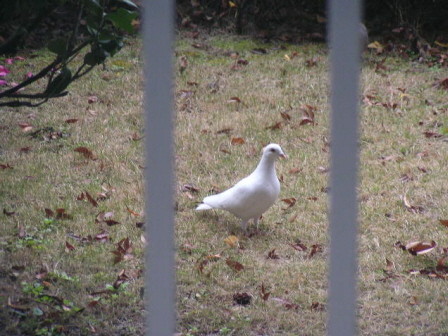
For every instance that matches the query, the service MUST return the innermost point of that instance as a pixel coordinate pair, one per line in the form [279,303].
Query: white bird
[253,195]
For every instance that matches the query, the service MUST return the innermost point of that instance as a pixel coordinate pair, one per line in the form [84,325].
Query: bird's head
[274,151]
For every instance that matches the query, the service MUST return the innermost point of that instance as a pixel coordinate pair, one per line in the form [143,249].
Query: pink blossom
[3,82]
[29,74]
[3,71]
[9,60]
[19,58]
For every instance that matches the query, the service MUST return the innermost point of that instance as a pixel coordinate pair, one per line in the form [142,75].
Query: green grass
[52,175]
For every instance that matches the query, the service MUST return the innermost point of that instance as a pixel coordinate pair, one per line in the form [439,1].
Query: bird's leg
[256,222]
[244,224]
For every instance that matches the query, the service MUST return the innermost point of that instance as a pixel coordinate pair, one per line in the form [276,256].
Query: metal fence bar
[159,188]
[345,57]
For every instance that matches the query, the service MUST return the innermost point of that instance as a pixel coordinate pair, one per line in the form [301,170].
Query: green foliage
[98,25]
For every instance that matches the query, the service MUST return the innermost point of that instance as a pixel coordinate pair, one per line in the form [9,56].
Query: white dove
[253,195]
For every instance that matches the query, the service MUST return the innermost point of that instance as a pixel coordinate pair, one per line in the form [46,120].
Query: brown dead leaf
[278,125]
[286,303]
[8,213]
[242,299]
[232,241]
[5,166]
[234,100]
[88,154]
[22,231]
[315,248]
[102,237]
[444,222]
[227,130]
[293,218]
[69,247]
[272,255]
[132,212]
[92,99]
[295,170]
[285,116]
[237,141]
[432,135]
[235,265]
[299,247]
[441,83]
[91,200]
[71,121]
[264,294]
[311,62]
[390,266]
[111,222]
[290,202]
[418,247]
[317,306]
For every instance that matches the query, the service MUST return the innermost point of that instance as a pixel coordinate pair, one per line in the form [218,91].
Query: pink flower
[19,58]
[3,82]
[9,60]
[29,74]
[3,71]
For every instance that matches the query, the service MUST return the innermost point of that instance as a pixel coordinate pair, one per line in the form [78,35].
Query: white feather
[253,195]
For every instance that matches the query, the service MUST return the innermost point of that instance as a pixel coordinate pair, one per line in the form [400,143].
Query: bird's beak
[284,156]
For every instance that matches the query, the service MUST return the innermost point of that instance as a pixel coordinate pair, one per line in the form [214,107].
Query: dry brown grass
[392,146]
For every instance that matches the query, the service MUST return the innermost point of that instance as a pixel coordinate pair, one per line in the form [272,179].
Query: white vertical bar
[160,276]
[345,57]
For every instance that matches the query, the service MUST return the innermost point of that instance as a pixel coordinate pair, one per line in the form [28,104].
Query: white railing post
[159,188]
[345,57]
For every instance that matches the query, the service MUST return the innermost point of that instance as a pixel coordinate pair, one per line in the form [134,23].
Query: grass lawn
[71,192]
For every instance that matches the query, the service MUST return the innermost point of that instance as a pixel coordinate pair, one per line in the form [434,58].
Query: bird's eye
[273,150]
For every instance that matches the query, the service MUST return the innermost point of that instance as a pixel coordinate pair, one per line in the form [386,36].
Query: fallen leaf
[242,299]
[5,166]
[22,231]
[69,247]
[311,62]
[71,121]
[390,266]
[225,131]
[293,218]
[132,212]
[290,202]
[272,255]
[444,222]
[418,248]
[317,306]
[259,51]
[278,125]
[285,116]
[111,222]
[237,141]
[91,200]
[234,100]
[92,99]
[378,47]
[8,213]
[235,265]
[316,248]
[264,295]
[286,303]
[88,154]
[299,247]
[189,187]
[232,241]
[432,135]
[295,170]
[49,212]
[441,83]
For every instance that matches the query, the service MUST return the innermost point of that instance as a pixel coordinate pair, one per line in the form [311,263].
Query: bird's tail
[203,206]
